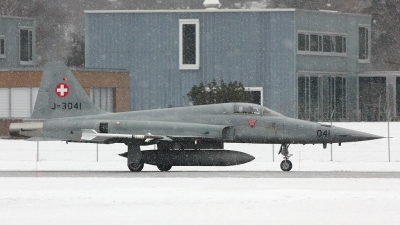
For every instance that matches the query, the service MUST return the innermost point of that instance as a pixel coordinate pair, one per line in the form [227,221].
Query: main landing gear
[164,149]
[134,157]
[135,167]
[286,165]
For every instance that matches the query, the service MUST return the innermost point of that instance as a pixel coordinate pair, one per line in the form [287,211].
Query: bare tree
[385,34]
[76,56]
[7,7]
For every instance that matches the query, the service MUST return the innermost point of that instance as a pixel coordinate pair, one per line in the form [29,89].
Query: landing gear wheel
[164,167]
[135,167]
[286,165]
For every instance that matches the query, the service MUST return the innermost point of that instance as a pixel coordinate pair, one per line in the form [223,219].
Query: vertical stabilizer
[61,95]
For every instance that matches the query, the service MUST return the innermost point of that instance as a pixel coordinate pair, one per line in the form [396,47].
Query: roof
[16,17]
[218,11]
[191,10]
[379,73]
[70,68]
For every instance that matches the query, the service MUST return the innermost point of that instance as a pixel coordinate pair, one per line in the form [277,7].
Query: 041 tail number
[323,133]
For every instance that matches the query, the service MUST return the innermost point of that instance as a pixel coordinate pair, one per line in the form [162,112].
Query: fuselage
[251,123]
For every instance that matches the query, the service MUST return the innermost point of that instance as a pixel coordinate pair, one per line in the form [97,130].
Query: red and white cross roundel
[62,90]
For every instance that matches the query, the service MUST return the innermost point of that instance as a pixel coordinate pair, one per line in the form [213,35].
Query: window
[17,102]
[372,103]
[397,97]
[315,43]
[5,102]
[303,42]
[321,44]
[363,44]
[257,94]
[103,98]
[340,43]
[189,44]
[2,47]
[322,96]
[26,46]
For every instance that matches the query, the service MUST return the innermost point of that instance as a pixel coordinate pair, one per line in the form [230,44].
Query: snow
[199,201]
[67,200]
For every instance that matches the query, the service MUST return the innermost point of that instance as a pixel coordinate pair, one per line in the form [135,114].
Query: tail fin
[61,95]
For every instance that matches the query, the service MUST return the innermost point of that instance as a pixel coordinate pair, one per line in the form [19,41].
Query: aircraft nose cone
[353,135]
[365,136]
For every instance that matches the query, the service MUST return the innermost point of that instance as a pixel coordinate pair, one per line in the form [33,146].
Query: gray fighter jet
[186,136]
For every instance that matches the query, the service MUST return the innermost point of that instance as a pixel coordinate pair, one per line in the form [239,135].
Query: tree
[212,93]
[7,7]
[385,33]
[76,56]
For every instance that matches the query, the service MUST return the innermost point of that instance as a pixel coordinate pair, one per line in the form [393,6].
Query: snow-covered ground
[203,200]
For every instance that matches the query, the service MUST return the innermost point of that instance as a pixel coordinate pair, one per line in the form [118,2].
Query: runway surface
[202,174]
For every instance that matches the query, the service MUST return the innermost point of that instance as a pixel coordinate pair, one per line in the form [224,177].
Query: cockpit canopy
[248,108]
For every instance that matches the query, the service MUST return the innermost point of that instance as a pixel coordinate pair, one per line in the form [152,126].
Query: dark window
[339,44]
[344,45]
[256,97]
[363,43]
[398,95]
[2,47]
[189,43]
[327,43]
[301,88]
[320,97]
[26,45]
[321,43]
[301,42]
[314,46]
[314,100]
[372,98]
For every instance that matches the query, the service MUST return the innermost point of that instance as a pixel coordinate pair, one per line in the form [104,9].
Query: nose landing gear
[286,164]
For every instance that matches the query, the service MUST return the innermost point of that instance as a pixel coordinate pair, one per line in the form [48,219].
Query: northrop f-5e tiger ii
[185,136]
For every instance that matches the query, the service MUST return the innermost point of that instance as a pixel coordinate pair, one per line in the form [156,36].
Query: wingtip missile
[90,134]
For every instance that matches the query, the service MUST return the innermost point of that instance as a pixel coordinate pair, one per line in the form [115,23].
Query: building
[302,63]
[17,42]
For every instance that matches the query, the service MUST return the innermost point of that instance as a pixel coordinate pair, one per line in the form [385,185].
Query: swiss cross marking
[252,123]
[62,90]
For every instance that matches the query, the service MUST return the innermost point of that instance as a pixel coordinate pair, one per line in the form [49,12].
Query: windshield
[246,108]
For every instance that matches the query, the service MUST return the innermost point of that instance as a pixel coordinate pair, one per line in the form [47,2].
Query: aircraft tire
[134,167]
[286,165]
[164,167]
